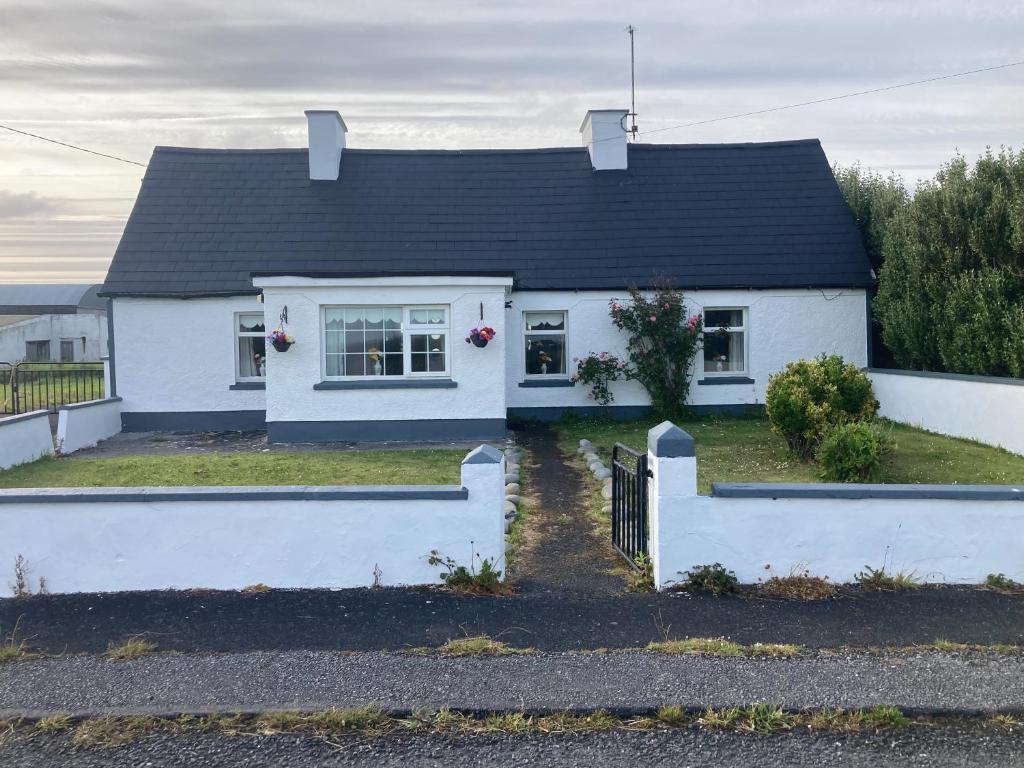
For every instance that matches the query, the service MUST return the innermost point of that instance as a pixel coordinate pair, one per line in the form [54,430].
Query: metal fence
[629,502]
[26,387]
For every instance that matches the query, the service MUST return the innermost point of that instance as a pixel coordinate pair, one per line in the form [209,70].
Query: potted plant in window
[479,337]
[280,340]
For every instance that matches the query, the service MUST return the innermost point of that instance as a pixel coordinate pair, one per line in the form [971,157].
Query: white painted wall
[53,328]
[24,438]
[85,424]
[784,325]
[112,546]
[940,540]
[989,410]
[179,355]
[479,373]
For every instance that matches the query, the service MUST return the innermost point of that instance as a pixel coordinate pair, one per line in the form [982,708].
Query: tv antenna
[632,130]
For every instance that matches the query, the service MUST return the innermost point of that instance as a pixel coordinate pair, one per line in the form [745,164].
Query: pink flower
[603,354]
[654,318]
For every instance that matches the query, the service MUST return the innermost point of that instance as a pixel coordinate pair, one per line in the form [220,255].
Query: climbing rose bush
[598,371]
[663,340]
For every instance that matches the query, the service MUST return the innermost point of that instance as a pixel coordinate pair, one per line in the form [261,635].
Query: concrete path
[926,682]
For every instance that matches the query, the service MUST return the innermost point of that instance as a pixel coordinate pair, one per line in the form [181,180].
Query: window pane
[436,316]
[335,365]
[435,342]
[334,319]
[723,351]
[334,341]
[723,318]
[418,363]
[393,318]
[251,323]
[418,342]
[252,356]
[354,342]
[375,318]
[392,341]
[419,316]
[545,321]
[393,365]
[545,355]
[374,362]
[436,362]
[355,365]
[354,318]
[374,340]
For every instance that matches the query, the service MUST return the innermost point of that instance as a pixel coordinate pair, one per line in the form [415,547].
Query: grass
[798,586]
[407,467]
[132,648]
[479,645]
[881,580]
[759,718]
[744,449]
[719,646]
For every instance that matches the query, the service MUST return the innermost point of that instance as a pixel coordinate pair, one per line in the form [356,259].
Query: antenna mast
[632,83]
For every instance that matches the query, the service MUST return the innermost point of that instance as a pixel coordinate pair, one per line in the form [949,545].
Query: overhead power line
[832,98]
[71,146]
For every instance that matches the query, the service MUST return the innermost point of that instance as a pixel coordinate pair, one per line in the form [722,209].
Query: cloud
[25,205]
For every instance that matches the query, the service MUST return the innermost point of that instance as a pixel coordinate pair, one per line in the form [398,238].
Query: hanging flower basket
[280,340]
[479,337]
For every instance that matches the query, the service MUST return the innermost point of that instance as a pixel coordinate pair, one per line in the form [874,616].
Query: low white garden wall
[82,425]
[942,533]
[988,409]
[25,437]
[110,539]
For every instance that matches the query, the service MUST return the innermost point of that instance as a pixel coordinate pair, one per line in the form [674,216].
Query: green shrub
[810,396]
[712,578]
[853,452]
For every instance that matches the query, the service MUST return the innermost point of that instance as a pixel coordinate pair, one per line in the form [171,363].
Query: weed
[1006,722]
[486,581]
[53,724]
[766,718]
[256,589]
[712,578]
[722,647]
[951,647]
[835,720]
[999,582]
[22,586]
[13,649]
[798,585]
[642,577]
[775,650]
[132,648]
[884,716]
[363,719]
[672,715]
[480,645]
[727,717]
[112,732]
[881,580]
[567,722]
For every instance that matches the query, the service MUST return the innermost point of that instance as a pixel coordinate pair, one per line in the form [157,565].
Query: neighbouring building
[52,323]
[379,262]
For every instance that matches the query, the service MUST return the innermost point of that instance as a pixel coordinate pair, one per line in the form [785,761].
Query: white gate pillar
[673,464]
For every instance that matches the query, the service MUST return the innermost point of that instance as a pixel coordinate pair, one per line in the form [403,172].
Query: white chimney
[326,140]
[604,134]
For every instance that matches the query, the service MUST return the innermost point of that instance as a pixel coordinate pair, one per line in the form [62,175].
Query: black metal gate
[28,387]
[629,502]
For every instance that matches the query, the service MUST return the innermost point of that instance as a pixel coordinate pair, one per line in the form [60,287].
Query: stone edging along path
[920,683]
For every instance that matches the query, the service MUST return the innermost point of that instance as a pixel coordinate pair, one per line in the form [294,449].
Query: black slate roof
[707,215]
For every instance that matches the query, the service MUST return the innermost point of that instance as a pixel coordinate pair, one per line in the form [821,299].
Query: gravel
[622,682]
[934,746]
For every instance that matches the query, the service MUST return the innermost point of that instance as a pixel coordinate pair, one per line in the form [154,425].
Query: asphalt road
[933,746]
[621,682]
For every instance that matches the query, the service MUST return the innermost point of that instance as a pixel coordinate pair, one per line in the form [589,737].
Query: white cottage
[378,263]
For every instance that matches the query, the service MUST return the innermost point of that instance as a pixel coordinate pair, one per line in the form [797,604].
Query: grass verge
[132,648]
[479,645]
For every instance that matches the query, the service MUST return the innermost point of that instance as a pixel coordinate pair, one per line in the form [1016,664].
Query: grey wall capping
[867,491]
[5,420]
[89,404]
[244,385]
[547,383]
[234,493]
[726,380]
[668,441]
[484,454]
[953,376]
[383,383]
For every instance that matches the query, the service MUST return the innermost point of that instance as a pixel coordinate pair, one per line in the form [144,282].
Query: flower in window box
[280,340]
[479,337]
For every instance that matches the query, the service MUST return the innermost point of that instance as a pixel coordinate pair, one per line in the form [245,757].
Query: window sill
[249,385]
[375,383]
[727,380]
[545,383]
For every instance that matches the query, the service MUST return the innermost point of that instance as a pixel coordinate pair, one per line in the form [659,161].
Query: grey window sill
[381,383]
[249,385]
[726,380]
[547,383]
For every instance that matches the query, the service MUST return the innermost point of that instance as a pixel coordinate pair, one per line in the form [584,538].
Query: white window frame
[745,329]
[408,329]
[238,334]
[565,345]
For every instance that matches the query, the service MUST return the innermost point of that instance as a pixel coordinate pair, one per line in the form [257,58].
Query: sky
[122,76]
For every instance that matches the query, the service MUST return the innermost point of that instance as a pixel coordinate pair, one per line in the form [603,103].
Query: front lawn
[412,467]
[746,450]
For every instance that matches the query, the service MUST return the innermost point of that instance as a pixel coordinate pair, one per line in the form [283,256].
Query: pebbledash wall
[175,365]
[988,409]
[111,539]
[941,533]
